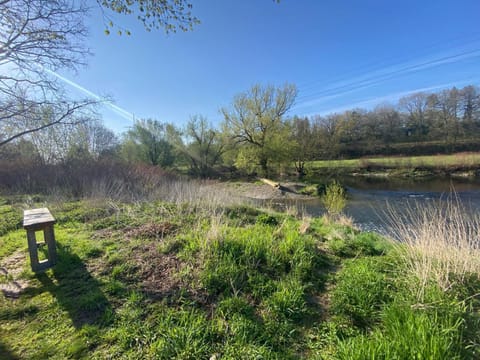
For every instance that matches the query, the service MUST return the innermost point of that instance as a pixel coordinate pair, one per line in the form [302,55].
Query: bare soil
[260,191]
[10,269]
[160,277]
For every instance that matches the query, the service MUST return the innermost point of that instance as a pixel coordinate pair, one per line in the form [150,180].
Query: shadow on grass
[76,290]
[6,353]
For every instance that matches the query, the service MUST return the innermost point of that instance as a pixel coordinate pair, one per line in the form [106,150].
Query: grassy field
[165,280]
[460,160]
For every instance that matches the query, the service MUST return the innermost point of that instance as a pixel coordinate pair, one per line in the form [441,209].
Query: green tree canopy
[255,122]
[147,142]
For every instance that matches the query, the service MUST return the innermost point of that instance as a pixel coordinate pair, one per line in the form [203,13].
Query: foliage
[304,143]
[440,243]
[334,199]
[419,124]
[167,14]
[202,145]
[148,142]
[256,125]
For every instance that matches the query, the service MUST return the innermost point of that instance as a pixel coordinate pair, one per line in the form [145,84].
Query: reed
[440,242]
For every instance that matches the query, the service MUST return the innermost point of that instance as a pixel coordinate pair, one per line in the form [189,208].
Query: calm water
[370,199]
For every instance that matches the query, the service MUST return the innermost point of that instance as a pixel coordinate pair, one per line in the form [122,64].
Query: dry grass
[440,242]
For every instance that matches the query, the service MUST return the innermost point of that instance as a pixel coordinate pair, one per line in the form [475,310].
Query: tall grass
[440,242]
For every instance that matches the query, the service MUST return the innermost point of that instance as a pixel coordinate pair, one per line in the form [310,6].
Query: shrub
[334,199]
[267,219]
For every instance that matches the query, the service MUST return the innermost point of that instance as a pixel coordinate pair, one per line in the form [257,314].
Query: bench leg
[49,236]
[32,249]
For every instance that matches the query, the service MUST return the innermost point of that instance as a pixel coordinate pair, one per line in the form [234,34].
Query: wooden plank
[33,218]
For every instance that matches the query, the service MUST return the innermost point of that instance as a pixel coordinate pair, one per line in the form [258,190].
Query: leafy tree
[256,125]
[171,15]
[147,142]
[304,143]
[203,146]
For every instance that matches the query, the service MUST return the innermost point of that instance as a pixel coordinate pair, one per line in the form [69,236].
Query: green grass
[466,160]
[164,281]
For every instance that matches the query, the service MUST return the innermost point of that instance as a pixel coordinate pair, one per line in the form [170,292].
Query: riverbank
[193,280]
[258,190]
[462,165]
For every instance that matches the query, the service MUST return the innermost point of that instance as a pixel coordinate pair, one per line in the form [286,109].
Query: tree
[37,37]
[255,123]
[171,15]
[391,124]
[329,132]
[446,106]
[303,136]
[147,142]
[471,107]
[93,138]
[203,146]
[417,107]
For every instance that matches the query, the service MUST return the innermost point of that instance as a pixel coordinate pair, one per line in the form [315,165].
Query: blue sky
[341,54]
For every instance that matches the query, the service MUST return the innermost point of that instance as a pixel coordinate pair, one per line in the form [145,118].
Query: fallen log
[276,185]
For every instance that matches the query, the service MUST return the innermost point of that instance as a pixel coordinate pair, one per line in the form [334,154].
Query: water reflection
[372,200]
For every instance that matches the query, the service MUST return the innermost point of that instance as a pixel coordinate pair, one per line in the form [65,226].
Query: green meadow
[165,280]
[442,162]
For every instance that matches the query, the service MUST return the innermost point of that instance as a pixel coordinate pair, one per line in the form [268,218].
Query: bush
[334,198]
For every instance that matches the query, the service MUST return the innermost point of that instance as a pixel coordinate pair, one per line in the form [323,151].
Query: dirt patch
[10,269]
[152,230]
[160,276]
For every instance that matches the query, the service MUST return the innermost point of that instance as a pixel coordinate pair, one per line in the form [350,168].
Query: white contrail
[375,77]
[391,97]
[122,112]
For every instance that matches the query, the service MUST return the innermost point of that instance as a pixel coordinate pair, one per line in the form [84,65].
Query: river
[372,200]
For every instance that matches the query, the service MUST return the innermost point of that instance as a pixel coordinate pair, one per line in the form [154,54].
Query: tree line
[257,135]
[40,123]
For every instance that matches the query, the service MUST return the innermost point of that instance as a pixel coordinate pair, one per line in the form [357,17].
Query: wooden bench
[40,220]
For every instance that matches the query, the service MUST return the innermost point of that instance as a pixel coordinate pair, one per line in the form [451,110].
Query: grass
[462,160]
[440,243]
[186,280]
